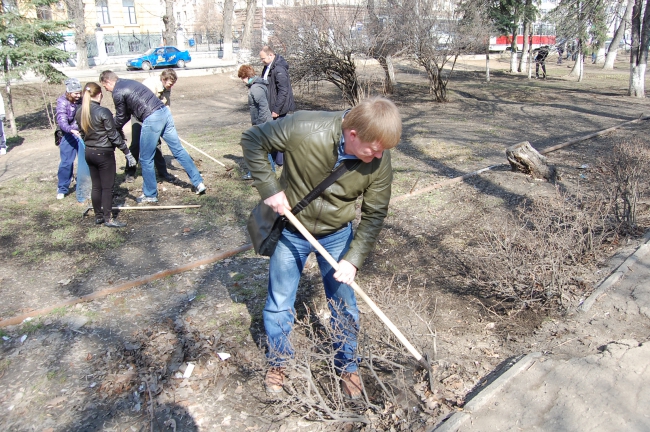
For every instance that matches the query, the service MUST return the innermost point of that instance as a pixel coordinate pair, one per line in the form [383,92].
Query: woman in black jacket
[101,138]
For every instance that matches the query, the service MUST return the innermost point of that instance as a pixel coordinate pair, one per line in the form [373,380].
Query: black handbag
[265,225]
[58,134]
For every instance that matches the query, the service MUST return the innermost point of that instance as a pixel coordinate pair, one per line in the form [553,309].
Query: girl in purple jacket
[71,143]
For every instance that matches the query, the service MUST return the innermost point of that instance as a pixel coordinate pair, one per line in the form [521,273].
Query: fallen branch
[126,286]
[475,173]
[592,135]
[154,207]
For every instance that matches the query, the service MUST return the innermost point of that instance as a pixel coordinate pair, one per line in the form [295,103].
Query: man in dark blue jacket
[281,103]
[132,98]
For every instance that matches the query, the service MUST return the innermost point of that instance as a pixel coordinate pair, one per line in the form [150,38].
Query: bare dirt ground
[117,363]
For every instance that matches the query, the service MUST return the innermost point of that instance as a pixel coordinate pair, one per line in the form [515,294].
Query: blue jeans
[160,124]
[84,182]
[68,152]
[285,269]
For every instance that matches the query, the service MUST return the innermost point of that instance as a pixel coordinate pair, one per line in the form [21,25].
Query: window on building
[269,2]
[110,47]
[178,17]
[102,12]
[129,11]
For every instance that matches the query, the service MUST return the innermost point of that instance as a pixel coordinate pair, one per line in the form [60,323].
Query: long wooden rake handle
[359,291]
[201,151]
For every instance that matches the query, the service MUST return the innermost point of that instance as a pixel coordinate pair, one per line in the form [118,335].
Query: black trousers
[101,163]
[158,158]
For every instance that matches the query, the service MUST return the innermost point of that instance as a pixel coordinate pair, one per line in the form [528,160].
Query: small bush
[628,172]
[542,250]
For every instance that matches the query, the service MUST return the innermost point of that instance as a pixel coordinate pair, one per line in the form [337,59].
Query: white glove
[130,160]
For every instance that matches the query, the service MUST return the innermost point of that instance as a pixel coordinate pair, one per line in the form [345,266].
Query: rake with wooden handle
[359,291]
[204,153]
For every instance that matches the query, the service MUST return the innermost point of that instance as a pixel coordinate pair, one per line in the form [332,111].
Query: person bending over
[161,87]
[314,143]
[133,98]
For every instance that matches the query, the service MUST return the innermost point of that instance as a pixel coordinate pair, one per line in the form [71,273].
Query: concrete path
[608,389]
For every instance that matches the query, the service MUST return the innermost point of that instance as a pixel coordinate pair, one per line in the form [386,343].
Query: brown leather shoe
[351,385]
[274,380]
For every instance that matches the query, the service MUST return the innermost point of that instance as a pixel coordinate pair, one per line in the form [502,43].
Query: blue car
[160,56]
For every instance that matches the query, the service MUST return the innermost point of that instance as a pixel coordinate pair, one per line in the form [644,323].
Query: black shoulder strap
[345,166]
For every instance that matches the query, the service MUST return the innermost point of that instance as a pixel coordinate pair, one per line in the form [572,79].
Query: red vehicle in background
[504,43]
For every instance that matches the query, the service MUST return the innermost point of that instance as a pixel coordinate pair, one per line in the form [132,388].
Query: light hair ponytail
[90,91]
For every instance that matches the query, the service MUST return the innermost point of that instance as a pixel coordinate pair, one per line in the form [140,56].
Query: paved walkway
[606,390]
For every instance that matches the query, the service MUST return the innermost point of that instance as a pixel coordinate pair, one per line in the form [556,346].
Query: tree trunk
[578,67]
[513,52]
[522,60]
[524,158]
[228,9]
[386,64]
[530,59]
[487,62]
[169,35]
[10,103]
[612,51]
[77,15]
[639,51]
[246,42]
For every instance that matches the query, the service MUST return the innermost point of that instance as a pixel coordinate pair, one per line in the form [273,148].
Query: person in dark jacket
[161,87]
[133,98]
[315,143]
[101,137]
[281,103]
[71,143]
[540,60]
[258,102]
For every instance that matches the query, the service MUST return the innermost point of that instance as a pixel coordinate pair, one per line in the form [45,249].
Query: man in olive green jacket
[314,143]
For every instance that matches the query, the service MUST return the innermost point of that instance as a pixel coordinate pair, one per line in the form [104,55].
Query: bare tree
[639,50]
[322,42]
[169,35]
[530,13]
[385,30]
[208,18]
[76,15]
[437,38]
[618,35]
[476,20]
[506,16]
[246,43]
[228,11]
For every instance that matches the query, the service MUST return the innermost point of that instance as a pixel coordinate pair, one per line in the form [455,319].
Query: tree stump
[524,158]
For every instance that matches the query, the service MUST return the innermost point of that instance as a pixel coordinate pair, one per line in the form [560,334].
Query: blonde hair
[90,90]
[375,119]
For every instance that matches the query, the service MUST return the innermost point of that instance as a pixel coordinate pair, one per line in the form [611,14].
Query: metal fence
[124,43]
[137,43]
[202,42]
